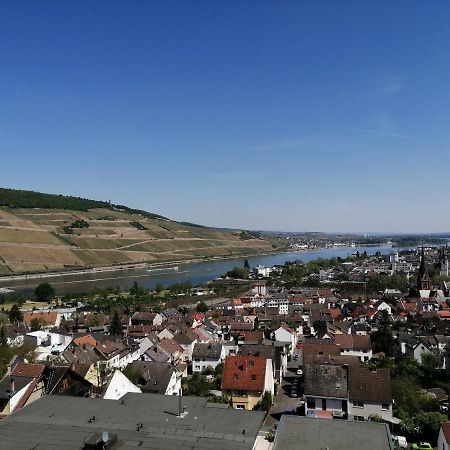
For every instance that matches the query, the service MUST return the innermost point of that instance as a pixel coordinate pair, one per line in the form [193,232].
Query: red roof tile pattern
[246,373]
[28,370]
[49,318]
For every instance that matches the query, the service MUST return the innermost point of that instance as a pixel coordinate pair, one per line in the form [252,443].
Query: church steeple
[423,280]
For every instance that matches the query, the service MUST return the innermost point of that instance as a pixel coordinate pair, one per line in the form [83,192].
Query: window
[359,418]
[253,377]
[310,403]
[358,404]
[251,363]
[384,406]
[240,407]
[324,404]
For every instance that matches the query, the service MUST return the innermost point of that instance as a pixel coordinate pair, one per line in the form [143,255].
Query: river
[196,273]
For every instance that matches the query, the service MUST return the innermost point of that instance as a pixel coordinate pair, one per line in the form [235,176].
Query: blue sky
[293,115]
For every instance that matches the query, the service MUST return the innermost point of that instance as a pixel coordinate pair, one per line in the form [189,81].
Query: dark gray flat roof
[294,433]
[60,422]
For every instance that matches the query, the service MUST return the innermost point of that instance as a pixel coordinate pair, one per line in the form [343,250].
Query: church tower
[423,280]
[443,262]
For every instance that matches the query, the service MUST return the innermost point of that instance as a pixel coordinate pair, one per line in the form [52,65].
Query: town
[299,355]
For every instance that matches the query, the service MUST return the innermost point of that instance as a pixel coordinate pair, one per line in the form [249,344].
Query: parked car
[400,441]
[422,446]
[299,371]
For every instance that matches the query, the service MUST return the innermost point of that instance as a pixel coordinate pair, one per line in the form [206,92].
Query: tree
[238,272]
[159,287]
[246,264]
[44,292]
[384,340]
[35,324]
[430,367]
[265,403]
[3,341]
[15,314]
[201,307]
[197,385]
[115,327]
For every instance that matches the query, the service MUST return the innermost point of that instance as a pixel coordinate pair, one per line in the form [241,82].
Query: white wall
[442,444]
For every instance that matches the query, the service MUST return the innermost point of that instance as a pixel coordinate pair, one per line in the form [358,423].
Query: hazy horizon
[292,116]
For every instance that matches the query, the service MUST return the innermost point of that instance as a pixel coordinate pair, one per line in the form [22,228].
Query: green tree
[197,385]
[44,292]
[238,272]
[384,340]
[202,307]
[3,341]
[35,324]
[430,368]
[265,403]
[15,314]
[115,327]
[246,264]
[159,287]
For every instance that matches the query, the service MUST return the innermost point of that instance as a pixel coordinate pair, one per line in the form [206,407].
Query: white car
[401,440]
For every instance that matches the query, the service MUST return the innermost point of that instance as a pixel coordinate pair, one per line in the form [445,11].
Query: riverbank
[129,266]
[194,271]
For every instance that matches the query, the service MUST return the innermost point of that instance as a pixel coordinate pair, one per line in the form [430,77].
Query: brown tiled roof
[322,348]
[49,317]
[370,385]
[253,336]
[241,326]
[28,370]
[145,316]
[353,342]
[446,430]
[246,373]
[170,346]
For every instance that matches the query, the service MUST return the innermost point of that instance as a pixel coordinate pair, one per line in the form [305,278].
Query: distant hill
[47,232]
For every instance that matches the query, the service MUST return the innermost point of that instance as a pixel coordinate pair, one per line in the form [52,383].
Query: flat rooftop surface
[62,422]
[295,433]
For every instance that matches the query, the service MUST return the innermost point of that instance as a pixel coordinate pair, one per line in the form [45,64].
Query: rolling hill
[46,232]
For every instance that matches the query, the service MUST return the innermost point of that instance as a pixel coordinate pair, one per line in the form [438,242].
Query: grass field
[27,236]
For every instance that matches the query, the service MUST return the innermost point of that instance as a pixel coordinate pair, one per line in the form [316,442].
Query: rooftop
[55,422]
[317,434]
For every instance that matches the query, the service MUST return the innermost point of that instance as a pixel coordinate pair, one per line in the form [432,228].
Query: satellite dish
[105,437]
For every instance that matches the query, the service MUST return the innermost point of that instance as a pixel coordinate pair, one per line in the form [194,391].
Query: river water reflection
[196,273]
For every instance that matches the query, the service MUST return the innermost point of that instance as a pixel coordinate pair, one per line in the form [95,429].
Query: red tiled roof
[28,370]
[26,395]
[246,373]
[49,317]
[87,339]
